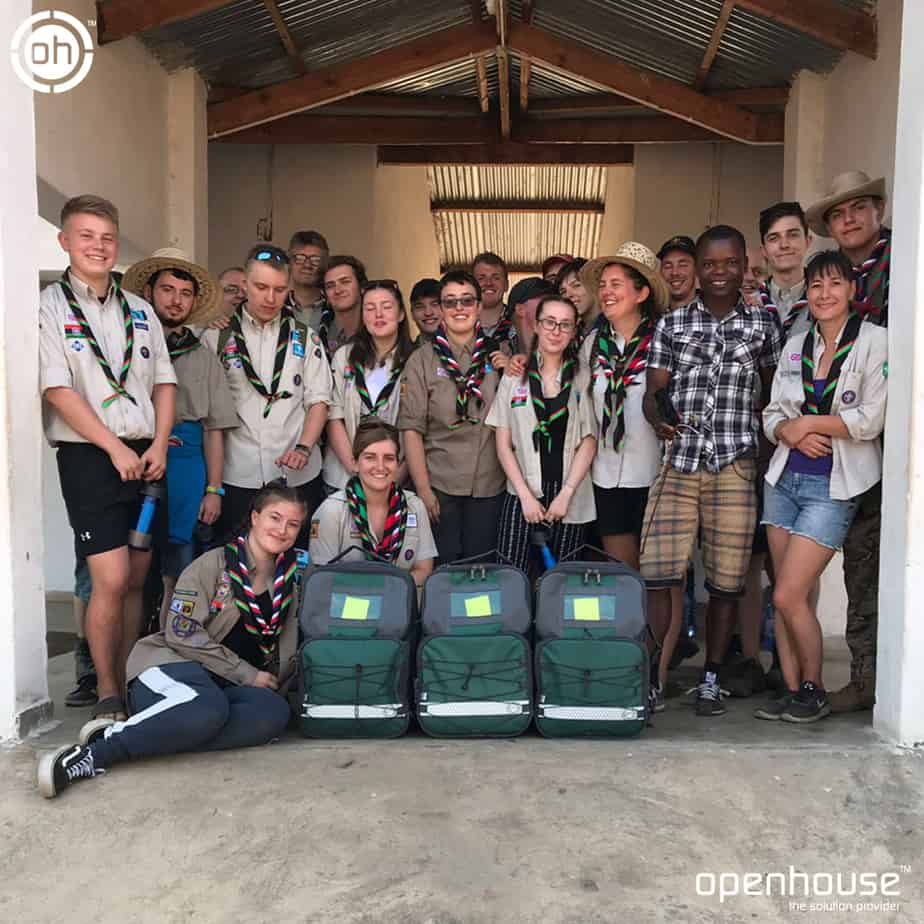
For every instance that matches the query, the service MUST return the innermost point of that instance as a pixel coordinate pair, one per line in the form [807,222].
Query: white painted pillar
[899,714]
[803,149]
[187,165]
[23,660]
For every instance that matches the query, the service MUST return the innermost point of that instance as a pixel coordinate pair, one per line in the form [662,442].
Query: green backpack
[358,620]
[474,667]
[591,659]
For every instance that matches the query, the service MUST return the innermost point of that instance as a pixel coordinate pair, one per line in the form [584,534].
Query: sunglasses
[391,284]
[272,255]
[301,259]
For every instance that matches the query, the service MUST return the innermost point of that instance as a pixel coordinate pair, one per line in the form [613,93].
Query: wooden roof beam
[713,49]
[288,40]
[347,78]
[481,70]
[507,153]
[311,128]
[595,102]
[118,19]
[526,69]
[668,96]
[503,92]
[825,20]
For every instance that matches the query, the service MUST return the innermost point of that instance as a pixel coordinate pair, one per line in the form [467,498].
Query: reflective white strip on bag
[592,713]
[488,707]
[356,711]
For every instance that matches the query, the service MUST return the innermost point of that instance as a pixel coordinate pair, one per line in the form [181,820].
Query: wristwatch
[303,449]
[212,489]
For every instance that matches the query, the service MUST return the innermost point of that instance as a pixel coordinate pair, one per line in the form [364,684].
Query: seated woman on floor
[215,677]
[375,517]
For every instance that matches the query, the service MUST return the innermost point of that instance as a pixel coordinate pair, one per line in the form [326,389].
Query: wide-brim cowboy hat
[208,300]
[855,184]
[641,259]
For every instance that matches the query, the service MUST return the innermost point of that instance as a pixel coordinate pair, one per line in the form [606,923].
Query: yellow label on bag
[478,606]
[587,609]
[355,608]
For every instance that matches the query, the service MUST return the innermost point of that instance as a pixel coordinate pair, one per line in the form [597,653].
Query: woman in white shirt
[631,293]
[825,415]
[544,432]
[367,377]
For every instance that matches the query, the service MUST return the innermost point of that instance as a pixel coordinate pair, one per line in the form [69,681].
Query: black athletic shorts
[102,509]
[620,511]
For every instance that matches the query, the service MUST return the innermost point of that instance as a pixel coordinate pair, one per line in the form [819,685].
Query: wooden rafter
[522,206]
[398,104]
[713,49]
[526,69]
[311,128]
[602,102]
[527,10]
[668,96]
[507,153]
[117,19]
[481,69]
[327,85]
[828,21]
[285,34]
[503,92]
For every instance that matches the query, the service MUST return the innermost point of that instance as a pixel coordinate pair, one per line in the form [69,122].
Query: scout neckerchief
[634,360]
[282,344]
[181,342]
[543,419]
[395,521]
[795,312]
[871,276]
[503,330]
[468,384]
[842,351]
[266,630]
[117,384]
[355,371]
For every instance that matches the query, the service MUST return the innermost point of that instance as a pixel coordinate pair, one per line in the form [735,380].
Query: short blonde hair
[89,204]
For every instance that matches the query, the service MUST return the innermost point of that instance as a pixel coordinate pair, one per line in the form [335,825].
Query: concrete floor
[419,830]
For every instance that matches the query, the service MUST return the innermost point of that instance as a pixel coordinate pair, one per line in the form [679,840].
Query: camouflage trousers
[861,577]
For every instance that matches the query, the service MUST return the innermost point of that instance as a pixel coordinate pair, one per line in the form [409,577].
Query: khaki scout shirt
[462,462]
[346,405]
[333,531]
[202,392]
[67,361]
[201,615]
[251,450]
[513,410]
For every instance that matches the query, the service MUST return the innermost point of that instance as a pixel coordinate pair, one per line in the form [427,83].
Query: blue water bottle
[540,539]
[140,537]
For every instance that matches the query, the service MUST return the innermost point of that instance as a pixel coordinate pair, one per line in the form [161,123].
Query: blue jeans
[180,707]
[803,506]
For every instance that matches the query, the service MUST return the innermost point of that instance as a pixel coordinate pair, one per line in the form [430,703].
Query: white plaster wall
[379,214]
[685,188]
[23,659]
[619,217]
[108,135]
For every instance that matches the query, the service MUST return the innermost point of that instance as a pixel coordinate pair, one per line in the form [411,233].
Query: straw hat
[845,186]
[640,258]
[208,302]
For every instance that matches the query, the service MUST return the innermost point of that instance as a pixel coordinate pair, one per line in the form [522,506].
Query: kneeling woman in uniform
[545,432]
[372,514]
[214,677]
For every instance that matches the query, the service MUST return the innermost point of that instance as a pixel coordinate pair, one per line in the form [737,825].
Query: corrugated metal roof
[238,44]
[522,239]
[457,79]
[547,83]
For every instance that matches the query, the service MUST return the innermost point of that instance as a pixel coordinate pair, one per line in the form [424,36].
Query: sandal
[106,713]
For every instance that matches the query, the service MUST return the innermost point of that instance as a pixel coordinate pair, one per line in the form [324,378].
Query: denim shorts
[803,506]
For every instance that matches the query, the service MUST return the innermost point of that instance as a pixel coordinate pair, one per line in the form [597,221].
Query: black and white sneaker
[774,708]
[809,705]
[709,697]
[56,771]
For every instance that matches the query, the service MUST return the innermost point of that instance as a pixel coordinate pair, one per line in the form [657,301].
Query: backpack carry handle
[366,555]
[487,557]
[573,556]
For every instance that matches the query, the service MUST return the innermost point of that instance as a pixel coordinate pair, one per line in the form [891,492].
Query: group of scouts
[642,401]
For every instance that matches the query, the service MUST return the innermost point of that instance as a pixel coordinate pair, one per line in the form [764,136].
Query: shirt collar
[253,322]
[742,306]
[87,291]
[793,293]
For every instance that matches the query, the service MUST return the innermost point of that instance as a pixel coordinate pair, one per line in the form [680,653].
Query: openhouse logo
[52,52]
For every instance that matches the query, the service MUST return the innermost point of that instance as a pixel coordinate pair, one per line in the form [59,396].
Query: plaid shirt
[714,368]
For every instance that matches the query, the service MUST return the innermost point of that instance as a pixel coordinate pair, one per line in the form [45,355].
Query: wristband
[303,449]
[211,489]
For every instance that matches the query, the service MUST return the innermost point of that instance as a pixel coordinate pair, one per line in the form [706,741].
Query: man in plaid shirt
[708,359]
